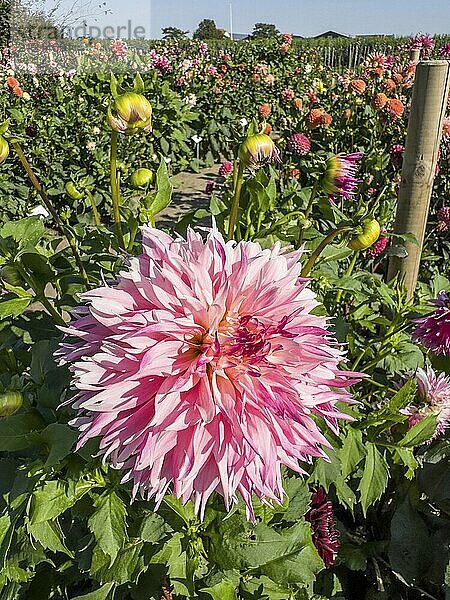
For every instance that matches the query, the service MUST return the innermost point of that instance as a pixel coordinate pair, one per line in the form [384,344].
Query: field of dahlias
[236,404]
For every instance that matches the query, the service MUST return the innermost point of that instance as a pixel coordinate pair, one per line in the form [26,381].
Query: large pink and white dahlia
[204,369]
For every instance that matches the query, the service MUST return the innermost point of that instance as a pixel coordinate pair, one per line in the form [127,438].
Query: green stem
[235,203]
[95,212]
[307,213]
[321,247]
[49,206]
[347,274]
[115,191]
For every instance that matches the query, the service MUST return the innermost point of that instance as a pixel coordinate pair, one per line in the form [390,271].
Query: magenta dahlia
[340,175]
[226,168]
[433,331]
[204,369]
[324,533]
[299,144]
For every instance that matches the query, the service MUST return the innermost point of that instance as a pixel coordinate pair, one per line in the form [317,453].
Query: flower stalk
[49,206]
[235,203]
[321,247]
[115,190]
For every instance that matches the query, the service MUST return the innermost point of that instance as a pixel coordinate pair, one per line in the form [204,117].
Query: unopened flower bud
[4,150]
[130,113]
[10,402]
[257,150]
[11,275]
[370,234]
[141,178]
[72,191]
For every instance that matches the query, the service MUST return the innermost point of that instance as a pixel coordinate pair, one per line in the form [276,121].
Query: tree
[264,30]
[173,33]
[207,30]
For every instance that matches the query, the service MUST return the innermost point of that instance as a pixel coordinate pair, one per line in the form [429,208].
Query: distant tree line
[208,30]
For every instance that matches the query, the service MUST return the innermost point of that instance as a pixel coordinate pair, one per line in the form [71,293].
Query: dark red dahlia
[324,533]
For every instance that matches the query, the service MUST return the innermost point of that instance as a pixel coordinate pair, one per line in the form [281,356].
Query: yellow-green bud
[368,237]
[4,150]
[10,402]
[73,192]
[130,113]
[141,178]
[257,150]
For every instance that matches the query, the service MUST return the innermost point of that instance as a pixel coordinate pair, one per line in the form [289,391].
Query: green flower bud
[4,150]
[11,275]
[130,113]
[10,402]
[141,178]
[257,150]
[368,237]
[73,192]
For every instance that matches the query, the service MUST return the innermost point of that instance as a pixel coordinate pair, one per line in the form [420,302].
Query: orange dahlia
[379,101]
[358,86]
[395,107]
[268,129]
[390,85]
[326,119]
[298,103]
[12,82]
[264,110]
[313,118]
[347,113]
[397,77]
[17,91]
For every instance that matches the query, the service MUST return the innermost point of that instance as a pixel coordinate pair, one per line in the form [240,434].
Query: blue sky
[296,16]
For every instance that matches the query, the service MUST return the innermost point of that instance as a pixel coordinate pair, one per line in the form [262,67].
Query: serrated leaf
[352,451]
[59,440]
[108,524]
[19,431]
[13,307]
[153,528]
[158,200]
[374,479]
[55,497]
[50,536]
[299,498]
[420,432]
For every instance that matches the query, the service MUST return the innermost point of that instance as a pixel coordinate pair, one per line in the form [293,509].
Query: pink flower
[434,393]
[120,49]
[204,369]
[209,187]
[325,536]
[379,247]
[299,144]
[225,169]
[433,331]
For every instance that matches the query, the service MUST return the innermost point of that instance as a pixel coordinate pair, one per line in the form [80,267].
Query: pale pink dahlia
[433,331]
[434,393]
[204,369]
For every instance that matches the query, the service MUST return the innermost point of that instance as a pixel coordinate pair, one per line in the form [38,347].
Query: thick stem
[321,247]
[95,212]
[49,206]
[235,203]
[347,274]
[115,191]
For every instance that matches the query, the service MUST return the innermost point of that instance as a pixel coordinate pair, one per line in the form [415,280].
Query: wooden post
[414,55]
[429,101]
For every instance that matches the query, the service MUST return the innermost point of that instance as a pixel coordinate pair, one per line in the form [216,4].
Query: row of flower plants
[239,405]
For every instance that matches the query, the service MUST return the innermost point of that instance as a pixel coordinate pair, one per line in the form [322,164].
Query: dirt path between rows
[188,193]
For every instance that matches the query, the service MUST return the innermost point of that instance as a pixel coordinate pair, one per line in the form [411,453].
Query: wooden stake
[429,101]
[414,55]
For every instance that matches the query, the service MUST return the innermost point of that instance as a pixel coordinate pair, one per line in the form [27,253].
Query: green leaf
[100,594]
[299,499]
[406,457]
[19,431]
[153,528]
[50,536]
[5,523]
[409,548]
[352,451]
[25,231]
[222,591]
[420,432]
[55,497]
[59,439]
[108,524]
[158,200]
[375,477]
[13,307]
